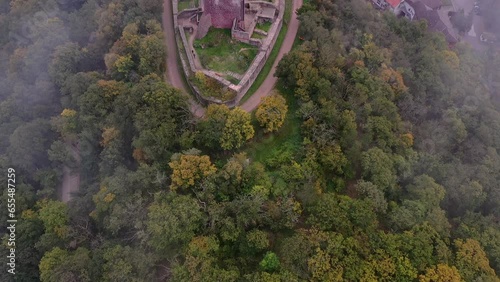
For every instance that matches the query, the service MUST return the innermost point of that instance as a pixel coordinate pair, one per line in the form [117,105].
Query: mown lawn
[219,52]
[264,26]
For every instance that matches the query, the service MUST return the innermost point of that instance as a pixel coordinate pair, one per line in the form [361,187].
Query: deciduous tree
[172,222]
[271,112]
[237,129]
[188,170]
[441,273]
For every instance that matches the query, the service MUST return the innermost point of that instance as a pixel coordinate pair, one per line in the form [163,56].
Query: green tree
[237,129]
[151,54]
[172,222]
[426,190]
[163,115]
[122,198]
[54,215]
[321,268]
[378,168]
[29,144]
[371,192]
[28,230]
[270,262]
[59,152]
[65,62]
[424,246]
[211,129]
[257,239]
[127,264]
[297,70]
[333,159]
[342,214]
[460,21]
[61,265]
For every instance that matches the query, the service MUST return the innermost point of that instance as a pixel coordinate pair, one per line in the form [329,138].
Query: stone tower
[223,12]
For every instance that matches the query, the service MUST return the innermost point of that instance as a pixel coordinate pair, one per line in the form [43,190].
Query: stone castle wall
[239,34]
[253,71]
[187,52]
[261,59]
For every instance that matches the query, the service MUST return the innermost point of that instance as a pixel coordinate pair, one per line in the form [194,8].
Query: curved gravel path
[174,70]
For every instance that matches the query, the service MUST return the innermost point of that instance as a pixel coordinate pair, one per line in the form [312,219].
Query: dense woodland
[377,161]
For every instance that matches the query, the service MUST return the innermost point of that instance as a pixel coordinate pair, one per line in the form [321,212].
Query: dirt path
[71,179]
[174,71]
[268,84]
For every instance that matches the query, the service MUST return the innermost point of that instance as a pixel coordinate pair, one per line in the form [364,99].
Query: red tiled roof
[393,3]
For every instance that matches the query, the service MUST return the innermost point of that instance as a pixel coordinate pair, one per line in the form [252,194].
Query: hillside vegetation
[377,159]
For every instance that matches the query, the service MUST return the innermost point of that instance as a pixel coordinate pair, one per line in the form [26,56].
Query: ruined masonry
[241,16]
[224,12]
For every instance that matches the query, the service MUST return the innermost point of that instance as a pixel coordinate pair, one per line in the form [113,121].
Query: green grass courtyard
[187,4]
[219,52]
[264,26]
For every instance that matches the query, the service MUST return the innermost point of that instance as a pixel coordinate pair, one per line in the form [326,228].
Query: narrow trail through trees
[71,179]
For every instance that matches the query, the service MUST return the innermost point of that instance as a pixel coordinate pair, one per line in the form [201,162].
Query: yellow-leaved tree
[472,262]
[188,170]
[237,129]
[272,112]
[441,273]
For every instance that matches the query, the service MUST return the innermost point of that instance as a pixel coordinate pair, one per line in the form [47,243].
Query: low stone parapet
[188,13]
[189,55]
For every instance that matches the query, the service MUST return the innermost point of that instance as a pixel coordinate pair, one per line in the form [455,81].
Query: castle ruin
[223,12]
[241,17]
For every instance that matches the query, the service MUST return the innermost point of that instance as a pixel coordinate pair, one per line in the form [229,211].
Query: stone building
[224,12]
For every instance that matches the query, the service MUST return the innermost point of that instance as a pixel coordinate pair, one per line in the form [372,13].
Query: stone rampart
[220,79]
[187,74]
[238,34]
[265,4]
[261,32]
[224,11]
[261,58]
[189,55]
[255,42]
[253,71]
[188,13]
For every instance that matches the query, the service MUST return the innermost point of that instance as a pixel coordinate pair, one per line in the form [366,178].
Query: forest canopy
[375,159]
